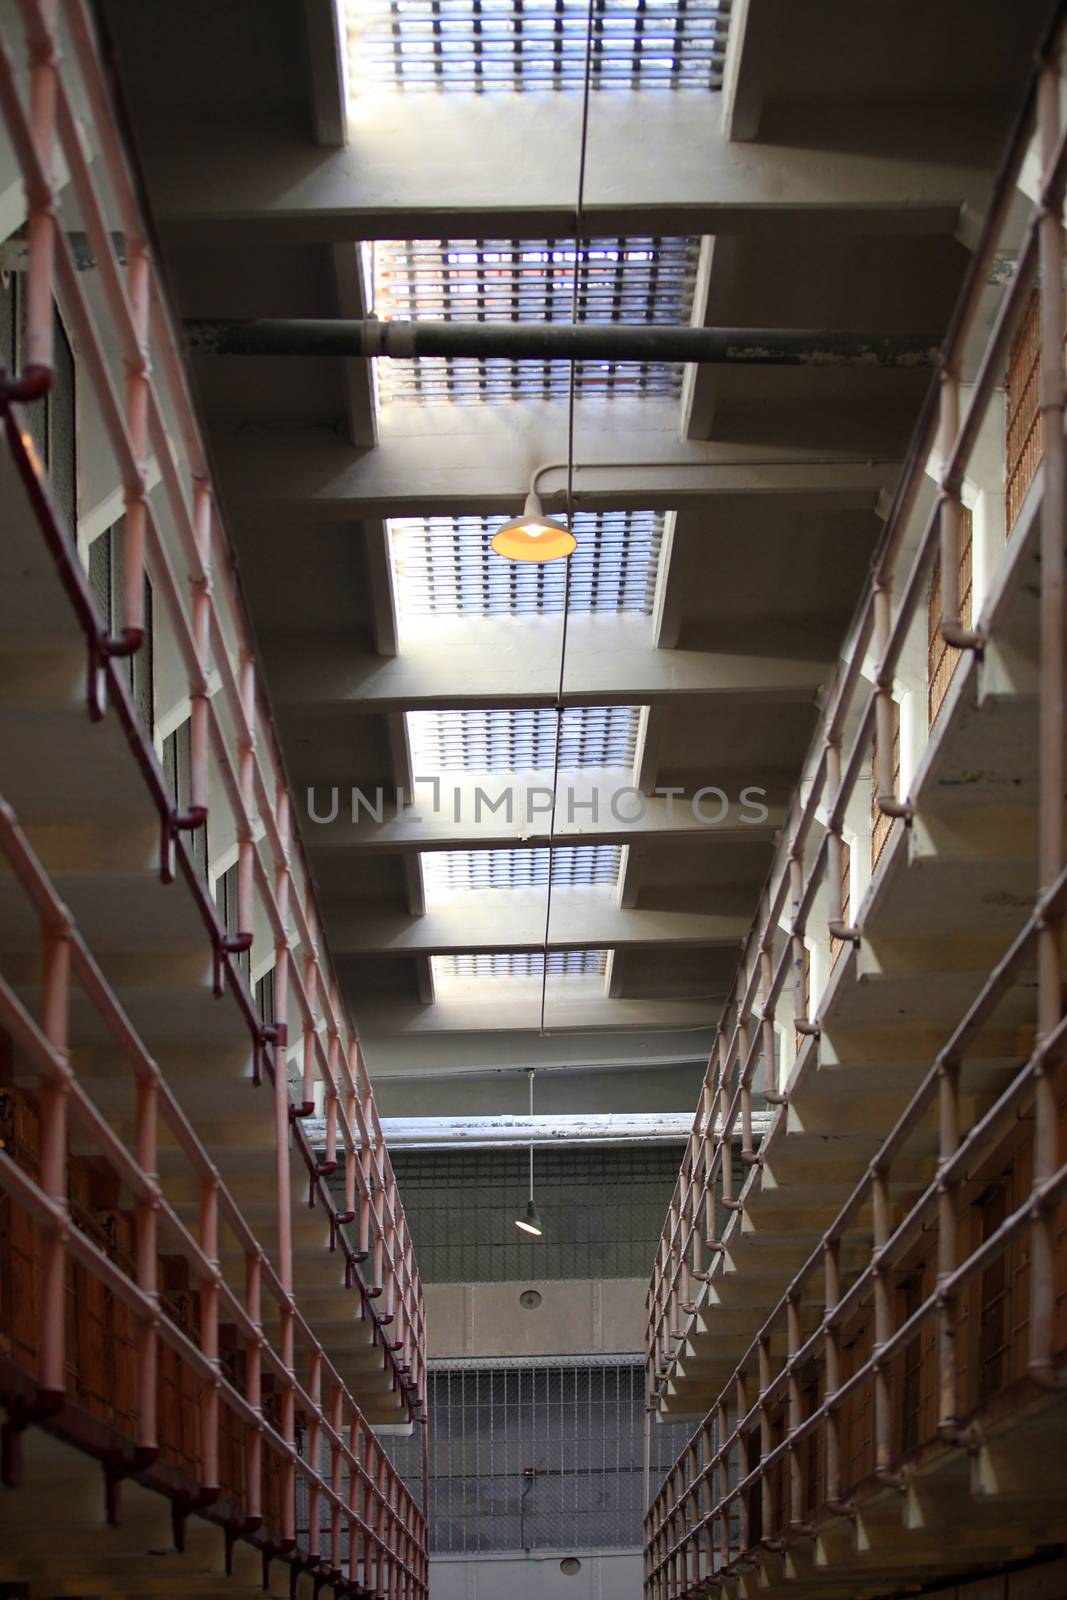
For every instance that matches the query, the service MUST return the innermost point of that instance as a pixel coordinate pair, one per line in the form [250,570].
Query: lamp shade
[533,536]
[531,1222]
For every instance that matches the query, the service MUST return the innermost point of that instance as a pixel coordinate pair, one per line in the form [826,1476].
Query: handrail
[210,627]
[741,1002]
[693,1538]
[400,1550]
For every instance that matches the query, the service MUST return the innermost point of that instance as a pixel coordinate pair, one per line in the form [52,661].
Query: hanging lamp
[530,1221]
[533,536]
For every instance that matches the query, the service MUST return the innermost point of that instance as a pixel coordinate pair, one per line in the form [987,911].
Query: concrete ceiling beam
[514,919]
[521,1013]
[596,805]
[478,460]
[503,165]
[504,663]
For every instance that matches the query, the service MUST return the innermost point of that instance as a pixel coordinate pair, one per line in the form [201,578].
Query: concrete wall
[573,1318]
[614,1576]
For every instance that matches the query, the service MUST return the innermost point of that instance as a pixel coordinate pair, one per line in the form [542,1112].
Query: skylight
[444,567]
[578,866]
[522,740]
[635,280]
[536,44]
[520,964]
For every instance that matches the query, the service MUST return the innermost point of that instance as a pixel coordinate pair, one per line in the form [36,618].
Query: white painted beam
[593,806]
[520,1013]
[508,662]
[456,460]
[359,385]
[514,919]
[404,1060]
[329,112]
[472,165]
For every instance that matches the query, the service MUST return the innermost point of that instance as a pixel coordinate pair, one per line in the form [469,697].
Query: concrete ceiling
[833,182]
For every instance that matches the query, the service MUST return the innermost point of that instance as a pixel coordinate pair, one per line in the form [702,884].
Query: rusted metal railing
[768,1461]
[63,110]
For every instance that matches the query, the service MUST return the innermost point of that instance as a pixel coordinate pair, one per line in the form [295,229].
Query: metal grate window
[635,280]
[522,740]
[479,45]
[603,1211]
[458,871]
[445,567]
[520,964]
[538,1455]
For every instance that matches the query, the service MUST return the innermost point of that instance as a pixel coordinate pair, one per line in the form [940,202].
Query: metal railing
[767,1461]
[62,111]
[354,1498]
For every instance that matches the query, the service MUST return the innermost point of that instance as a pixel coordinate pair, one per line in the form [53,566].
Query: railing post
[36,378]
[314,1453]
[947,1246]
[837,927]
[138,287]
[832,1431]
[209,1338]
[952,630]
[726,1169]
[283,1197]
[54,1104]
[765,1443]
[744,1519]
[1051,718]
[794,1418]
[147,1226]
[884,731]
[883,1326]
[254,1390]
[246,772]
[199,711]
[720,1488]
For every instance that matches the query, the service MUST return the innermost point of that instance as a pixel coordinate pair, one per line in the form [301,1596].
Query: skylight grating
[573,866]
[521,964]
[637,280]
[445,567]
[484,45]
[522,740]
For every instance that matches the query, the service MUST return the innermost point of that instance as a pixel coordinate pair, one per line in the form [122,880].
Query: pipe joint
[32,384]
[121,646]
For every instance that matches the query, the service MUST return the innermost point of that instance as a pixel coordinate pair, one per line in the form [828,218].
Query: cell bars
[520,964]
[522,740]
[472,45]
[541,1455]
[445,567]
[573,866]
[638,280]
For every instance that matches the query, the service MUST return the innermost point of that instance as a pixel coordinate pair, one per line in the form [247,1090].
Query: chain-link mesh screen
[544,1455]
[602,1212]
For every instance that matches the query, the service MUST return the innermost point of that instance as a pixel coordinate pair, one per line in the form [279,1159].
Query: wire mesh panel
[447,872]
[520,964]
[537,1455]
[445,567]
[630,280]
[602,1212]
[522,740]
[479,45]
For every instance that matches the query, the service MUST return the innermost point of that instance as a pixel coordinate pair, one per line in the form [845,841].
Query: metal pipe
[36,379]
[952,630]
[558,341]
[1052,684]
[885,707]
